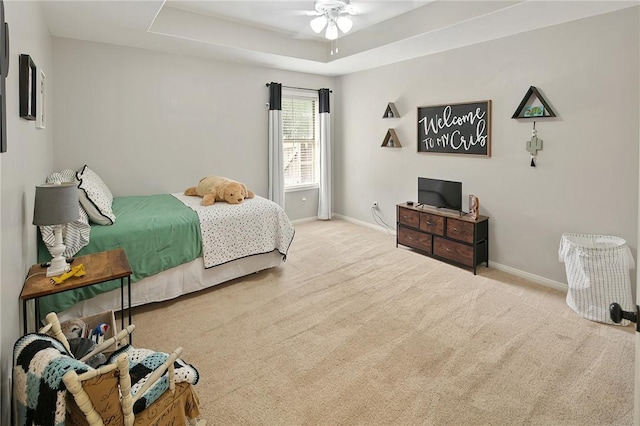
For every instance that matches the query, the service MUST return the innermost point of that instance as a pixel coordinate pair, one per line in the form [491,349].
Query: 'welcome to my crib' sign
[463,128]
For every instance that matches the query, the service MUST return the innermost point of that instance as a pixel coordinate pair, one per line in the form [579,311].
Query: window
[299,139]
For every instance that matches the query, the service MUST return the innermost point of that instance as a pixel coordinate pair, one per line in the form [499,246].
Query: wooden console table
[444,235]
[99,267]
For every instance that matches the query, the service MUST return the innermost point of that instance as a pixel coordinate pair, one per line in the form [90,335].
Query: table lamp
[56,204]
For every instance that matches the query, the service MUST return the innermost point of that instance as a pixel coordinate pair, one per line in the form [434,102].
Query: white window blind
[299,138]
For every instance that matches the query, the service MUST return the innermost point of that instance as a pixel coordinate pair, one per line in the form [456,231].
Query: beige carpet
[352,330]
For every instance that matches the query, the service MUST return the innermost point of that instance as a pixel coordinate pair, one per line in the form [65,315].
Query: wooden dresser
[443,234]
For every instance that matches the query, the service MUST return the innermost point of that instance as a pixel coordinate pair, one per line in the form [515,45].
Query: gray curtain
[324,196]
[276,166]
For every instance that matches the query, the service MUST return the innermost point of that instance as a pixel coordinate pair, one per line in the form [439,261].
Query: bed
[176,246]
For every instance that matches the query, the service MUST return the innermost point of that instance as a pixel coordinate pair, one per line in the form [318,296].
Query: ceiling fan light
[345,24]
[317,24]
[332,31]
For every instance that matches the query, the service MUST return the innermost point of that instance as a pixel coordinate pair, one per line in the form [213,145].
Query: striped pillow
[75,234]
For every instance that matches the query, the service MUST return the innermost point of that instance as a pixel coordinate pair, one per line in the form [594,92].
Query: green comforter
[157,232]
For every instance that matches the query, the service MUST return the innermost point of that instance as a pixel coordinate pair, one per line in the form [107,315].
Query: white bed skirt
[172,283]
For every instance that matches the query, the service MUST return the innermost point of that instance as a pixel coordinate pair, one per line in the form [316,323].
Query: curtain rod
[299,88]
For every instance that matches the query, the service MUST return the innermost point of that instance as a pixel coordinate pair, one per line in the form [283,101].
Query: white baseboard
[304,220]
[346,219]
[531,277]
[363,223]
[517,272]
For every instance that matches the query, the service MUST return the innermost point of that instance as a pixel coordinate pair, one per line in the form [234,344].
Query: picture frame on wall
[534,111]
[455,128]
[42,86]
[28,89]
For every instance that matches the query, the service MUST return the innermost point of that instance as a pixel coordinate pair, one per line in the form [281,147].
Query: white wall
[26,163]
[587,175]
[150,122]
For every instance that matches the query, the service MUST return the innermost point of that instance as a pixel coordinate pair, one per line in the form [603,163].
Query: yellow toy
[216,188]
[76,271]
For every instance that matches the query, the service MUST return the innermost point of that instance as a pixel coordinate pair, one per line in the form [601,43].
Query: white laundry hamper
[597,269]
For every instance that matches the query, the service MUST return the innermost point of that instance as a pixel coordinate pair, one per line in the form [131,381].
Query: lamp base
[55,270]
[58,264]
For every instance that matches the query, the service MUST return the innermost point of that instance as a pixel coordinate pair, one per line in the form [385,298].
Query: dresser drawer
[432,223]
[451,250]
[409,237]
[460,230]
[409,217]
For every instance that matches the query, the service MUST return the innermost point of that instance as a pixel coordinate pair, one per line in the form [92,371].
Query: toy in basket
[95,328]
[74,328]
[97,335]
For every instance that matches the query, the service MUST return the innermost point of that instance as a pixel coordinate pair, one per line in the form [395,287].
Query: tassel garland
[534,145]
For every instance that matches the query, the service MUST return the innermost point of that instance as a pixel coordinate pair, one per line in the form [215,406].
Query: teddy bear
[217,188]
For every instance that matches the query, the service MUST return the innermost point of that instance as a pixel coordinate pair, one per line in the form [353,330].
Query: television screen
[440,193]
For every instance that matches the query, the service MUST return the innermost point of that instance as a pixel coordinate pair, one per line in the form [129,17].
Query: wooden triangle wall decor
[391,111]
[391,140]
[522,112]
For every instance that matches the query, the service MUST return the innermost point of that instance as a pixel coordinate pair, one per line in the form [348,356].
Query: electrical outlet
[375,205]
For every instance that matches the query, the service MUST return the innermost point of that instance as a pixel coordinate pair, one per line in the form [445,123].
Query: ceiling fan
[334,15]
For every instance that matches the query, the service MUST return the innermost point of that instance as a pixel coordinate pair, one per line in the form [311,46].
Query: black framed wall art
[4,72]
[457,128]
[28,86]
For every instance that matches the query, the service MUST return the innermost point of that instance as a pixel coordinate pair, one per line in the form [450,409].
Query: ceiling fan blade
[344,23]
[318,24]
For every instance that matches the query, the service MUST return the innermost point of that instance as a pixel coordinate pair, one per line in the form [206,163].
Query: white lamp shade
[56,204]
[317,24]
[344,23]
[332,31]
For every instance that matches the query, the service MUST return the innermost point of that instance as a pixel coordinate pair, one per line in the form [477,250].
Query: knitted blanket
[142,362]
[39,394]
[40,361]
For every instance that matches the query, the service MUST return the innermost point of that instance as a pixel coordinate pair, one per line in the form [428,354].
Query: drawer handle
[429,223]
[455,229]
[448,249]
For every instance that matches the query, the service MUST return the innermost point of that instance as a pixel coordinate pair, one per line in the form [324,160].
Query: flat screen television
[440,193]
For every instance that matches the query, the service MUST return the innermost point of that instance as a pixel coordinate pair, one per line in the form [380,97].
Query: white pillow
[95,197]
[76,234]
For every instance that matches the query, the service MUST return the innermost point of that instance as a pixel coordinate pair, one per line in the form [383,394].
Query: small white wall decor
[41,88]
